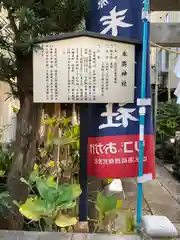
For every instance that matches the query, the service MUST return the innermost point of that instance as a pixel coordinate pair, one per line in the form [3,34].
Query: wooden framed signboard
[84,68]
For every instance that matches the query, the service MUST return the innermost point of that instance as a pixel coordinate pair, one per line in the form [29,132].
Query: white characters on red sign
[117,161]
[111,148]
[113,21]
[102,3]
[129,147]
[96,148]
[123,115]
[99,148]
[124,160]
[131,159]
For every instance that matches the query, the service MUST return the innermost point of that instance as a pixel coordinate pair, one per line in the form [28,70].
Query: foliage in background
[5,163]
[168,119]
[168,122]
[60,148]
[176,166]
[5,159]
[5,204]
[3,130]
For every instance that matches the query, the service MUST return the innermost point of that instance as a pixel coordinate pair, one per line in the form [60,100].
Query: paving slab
[177,225]
[160,201]
[161,196]
[166,178]
[78,237]
[130,189]
[15,235]
[111,237]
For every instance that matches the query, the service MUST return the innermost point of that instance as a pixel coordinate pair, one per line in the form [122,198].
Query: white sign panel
[84,70]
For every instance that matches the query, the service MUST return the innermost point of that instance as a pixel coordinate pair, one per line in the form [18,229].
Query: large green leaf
[68,205]
[34,208]
[76,190]
[50,194]
[51,182]
[33,176]
[64,195]
[67,194]
[105,204]
[65,221]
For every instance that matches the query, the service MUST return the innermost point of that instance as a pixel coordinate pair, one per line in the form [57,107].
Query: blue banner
[116,18]
[114,128]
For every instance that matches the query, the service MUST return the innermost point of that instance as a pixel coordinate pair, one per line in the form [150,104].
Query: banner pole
[142,109]
[83,180]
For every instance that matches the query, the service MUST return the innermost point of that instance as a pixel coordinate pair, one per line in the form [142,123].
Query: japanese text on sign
[84,70]
[117,161]
[111,148]
[117,156]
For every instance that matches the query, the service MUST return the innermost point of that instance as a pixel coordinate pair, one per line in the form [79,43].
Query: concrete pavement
[15,235]
[161,196]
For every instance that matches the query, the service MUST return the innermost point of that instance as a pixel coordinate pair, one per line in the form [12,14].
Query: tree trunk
[24,148]
[27,129]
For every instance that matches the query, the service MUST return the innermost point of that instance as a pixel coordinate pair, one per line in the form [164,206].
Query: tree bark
[24,148]
[27,131]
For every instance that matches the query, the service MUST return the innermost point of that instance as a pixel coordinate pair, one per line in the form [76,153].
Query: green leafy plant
[107,208]
[50,202]
[168,119]
[67,142]
[130,222]
[3,129]
[109,211]
[5,203]
[168,122]
[69,132]
[5,161]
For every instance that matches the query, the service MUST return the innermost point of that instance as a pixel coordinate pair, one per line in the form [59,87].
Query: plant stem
[40,227]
